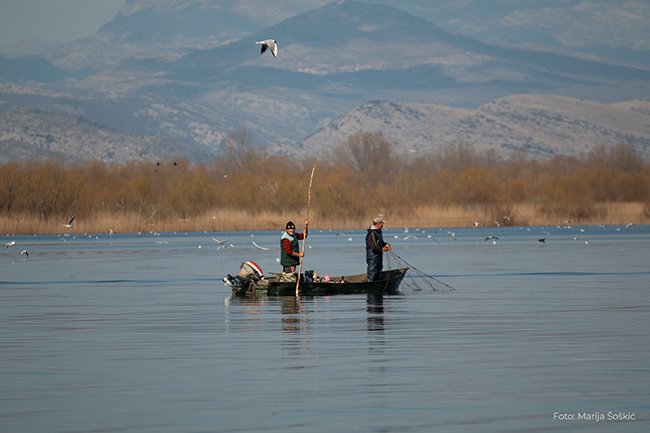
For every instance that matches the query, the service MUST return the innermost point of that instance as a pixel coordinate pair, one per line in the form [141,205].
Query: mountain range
[539,125]
[176,77]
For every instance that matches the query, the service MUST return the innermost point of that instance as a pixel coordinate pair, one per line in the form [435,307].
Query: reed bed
[523,214]
[248,190]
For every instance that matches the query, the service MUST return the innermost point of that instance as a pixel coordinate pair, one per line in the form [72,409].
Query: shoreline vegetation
[220,220]
[247,189]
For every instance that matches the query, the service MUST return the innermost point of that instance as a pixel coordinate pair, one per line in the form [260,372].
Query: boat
[252,282]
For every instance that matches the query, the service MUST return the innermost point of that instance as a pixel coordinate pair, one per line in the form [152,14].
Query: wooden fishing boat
[276,285]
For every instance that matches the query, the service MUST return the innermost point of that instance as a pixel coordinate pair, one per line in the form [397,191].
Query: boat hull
[388,284]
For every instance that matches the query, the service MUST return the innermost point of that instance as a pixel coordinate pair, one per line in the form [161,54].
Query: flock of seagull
[407,235]
[224,243]
[24,252]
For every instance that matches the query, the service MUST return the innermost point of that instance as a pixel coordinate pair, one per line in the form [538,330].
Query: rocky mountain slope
[195,85]
[32,134]
[537,125]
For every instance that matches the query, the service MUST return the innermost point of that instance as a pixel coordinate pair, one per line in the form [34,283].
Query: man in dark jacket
[375,248]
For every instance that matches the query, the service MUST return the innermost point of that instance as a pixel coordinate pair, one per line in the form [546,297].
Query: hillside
[195,85]
[539,125]
[31,134]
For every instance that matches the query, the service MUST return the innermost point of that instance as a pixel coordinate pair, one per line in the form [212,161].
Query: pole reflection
[294,316]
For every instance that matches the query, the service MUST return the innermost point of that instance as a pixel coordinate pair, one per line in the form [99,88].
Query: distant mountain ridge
[150,76]
[586,28]
[537,125]
[32,68]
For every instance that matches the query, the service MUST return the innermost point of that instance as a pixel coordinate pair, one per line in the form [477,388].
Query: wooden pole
[304,239]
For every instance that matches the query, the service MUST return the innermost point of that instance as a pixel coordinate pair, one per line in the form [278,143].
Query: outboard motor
[249,271]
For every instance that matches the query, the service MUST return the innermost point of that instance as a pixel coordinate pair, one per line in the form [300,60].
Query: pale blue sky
[54,20]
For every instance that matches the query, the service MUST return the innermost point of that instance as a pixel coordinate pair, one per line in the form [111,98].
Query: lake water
[137,333]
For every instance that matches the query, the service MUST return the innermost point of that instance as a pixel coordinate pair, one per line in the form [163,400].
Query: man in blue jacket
[375,248]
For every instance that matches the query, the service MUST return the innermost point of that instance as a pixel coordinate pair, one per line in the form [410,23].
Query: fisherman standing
[375,248]
[290,253]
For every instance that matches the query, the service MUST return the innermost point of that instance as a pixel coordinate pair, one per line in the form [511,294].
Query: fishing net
[416,280]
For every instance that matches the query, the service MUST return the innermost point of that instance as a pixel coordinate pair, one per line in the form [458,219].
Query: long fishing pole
[304,239]
[421,272]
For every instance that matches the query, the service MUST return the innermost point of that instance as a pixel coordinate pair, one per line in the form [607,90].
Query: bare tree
[370,151]
[237,147]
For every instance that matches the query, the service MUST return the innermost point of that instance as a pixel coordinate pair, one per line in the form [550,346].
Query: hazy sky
[54,20]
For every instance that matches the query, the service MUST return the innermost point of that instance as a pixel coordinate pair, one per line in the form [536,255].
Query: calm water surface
[137,333]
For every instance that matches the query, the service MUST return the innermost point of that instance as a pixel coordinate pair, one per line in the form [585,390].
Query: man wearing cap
[290,248]
[375,248]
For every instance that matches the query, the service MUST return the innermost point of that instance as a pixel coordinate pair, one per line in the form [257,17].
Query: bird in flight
[25,253]
[10,244]
[222,243]
[259,247]
[69,224]
[269,43]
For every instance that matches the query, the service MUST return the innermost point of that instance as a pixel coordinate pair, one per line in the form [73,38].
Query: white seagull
[10,244]
[25,253]
[69,224]
[259,247]
[269,43]
[222,243]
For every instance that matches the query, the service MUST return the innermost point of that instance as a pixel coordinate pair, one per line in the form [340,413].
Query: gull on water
[268,43]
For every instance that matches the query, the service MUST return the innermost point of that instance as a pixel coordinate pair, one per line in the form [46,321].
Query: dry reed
[239,220]
[249,191]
